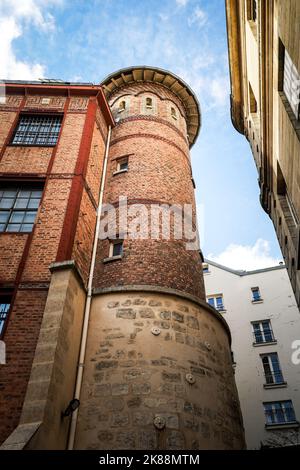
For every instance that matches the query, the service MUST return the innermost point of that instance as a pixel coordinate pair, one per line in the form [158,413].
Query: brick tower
[118,322]
[158,373]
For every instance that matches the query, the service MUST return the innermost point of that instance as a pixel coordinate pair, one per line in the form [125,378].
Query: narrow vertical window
[256,297]
[289,80]
[149,103]
[173,113]
[252,10]
[122,106]
[252,101]
[5,302]
[272,369]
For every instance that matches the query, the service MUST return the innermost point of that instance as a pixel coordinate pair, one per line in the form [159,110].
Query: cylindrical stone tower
[158,372]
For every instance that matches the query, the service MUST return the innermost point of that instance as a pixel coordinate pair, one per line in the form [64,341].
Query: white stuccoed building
[260,309]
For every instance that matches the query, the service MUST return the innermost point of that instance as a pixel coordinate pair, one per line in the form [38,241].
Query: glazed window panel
[5,302]
[216,301]
[263,332]
[272,369]
[116,248]
[37,130]
[18,207]
[281,412]
[291,84]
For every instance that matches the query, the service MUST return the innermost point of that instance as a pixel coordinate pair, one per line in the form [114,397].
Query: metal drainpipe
[88,302]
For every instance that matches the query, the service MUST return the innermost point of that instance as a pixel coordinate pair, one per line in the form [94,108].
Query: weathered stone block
[106,365]
[165,315]
[134,402]
[178,317]
[120,389]
[105,436]
[192,322]
[175,441]
[126,440]
[141,389]
[113,304]
[146,313]
[147,440]
[171,376]
[127,313]
[119,420]
[102,390]
[142,418]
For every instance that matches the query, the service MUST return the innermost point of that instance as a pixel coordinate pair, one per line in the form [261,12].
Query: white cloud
[219,90]
[16,14]
[246,256]
[182,3]
[199,17]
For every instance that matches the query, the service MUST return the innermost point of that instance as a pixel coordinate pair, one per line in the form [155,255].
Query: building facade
[264,320]
[53,139]
[124,328]
[264,58]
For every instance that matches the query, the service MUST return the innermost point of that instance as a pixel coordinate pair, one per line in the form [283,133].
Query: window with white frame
[272,369]
[262,331]
[280,412]
[122,164]
[216,301]
[256,297]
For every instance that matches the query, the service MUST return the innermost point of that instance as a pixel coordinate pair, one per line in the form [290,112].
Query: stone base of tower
[158,375]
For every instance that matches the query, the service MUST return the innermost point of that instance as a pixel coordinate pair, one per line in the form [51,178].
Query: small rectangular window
[205,268]
[281,412]
[216,301]
[263,332]
[18,206]
[116,249]
[121,165]
[256,297]
[5,302]
[37,130]
[272,369]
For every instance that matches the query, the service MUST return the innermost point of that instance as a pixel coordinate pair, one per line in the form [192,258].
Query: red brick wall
[26,160]
[159,171]
[11,250]
[25,258]
[20,338]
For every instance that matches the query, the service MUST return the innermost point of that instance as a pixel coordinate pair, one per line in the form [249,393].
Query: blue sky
[85,40]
